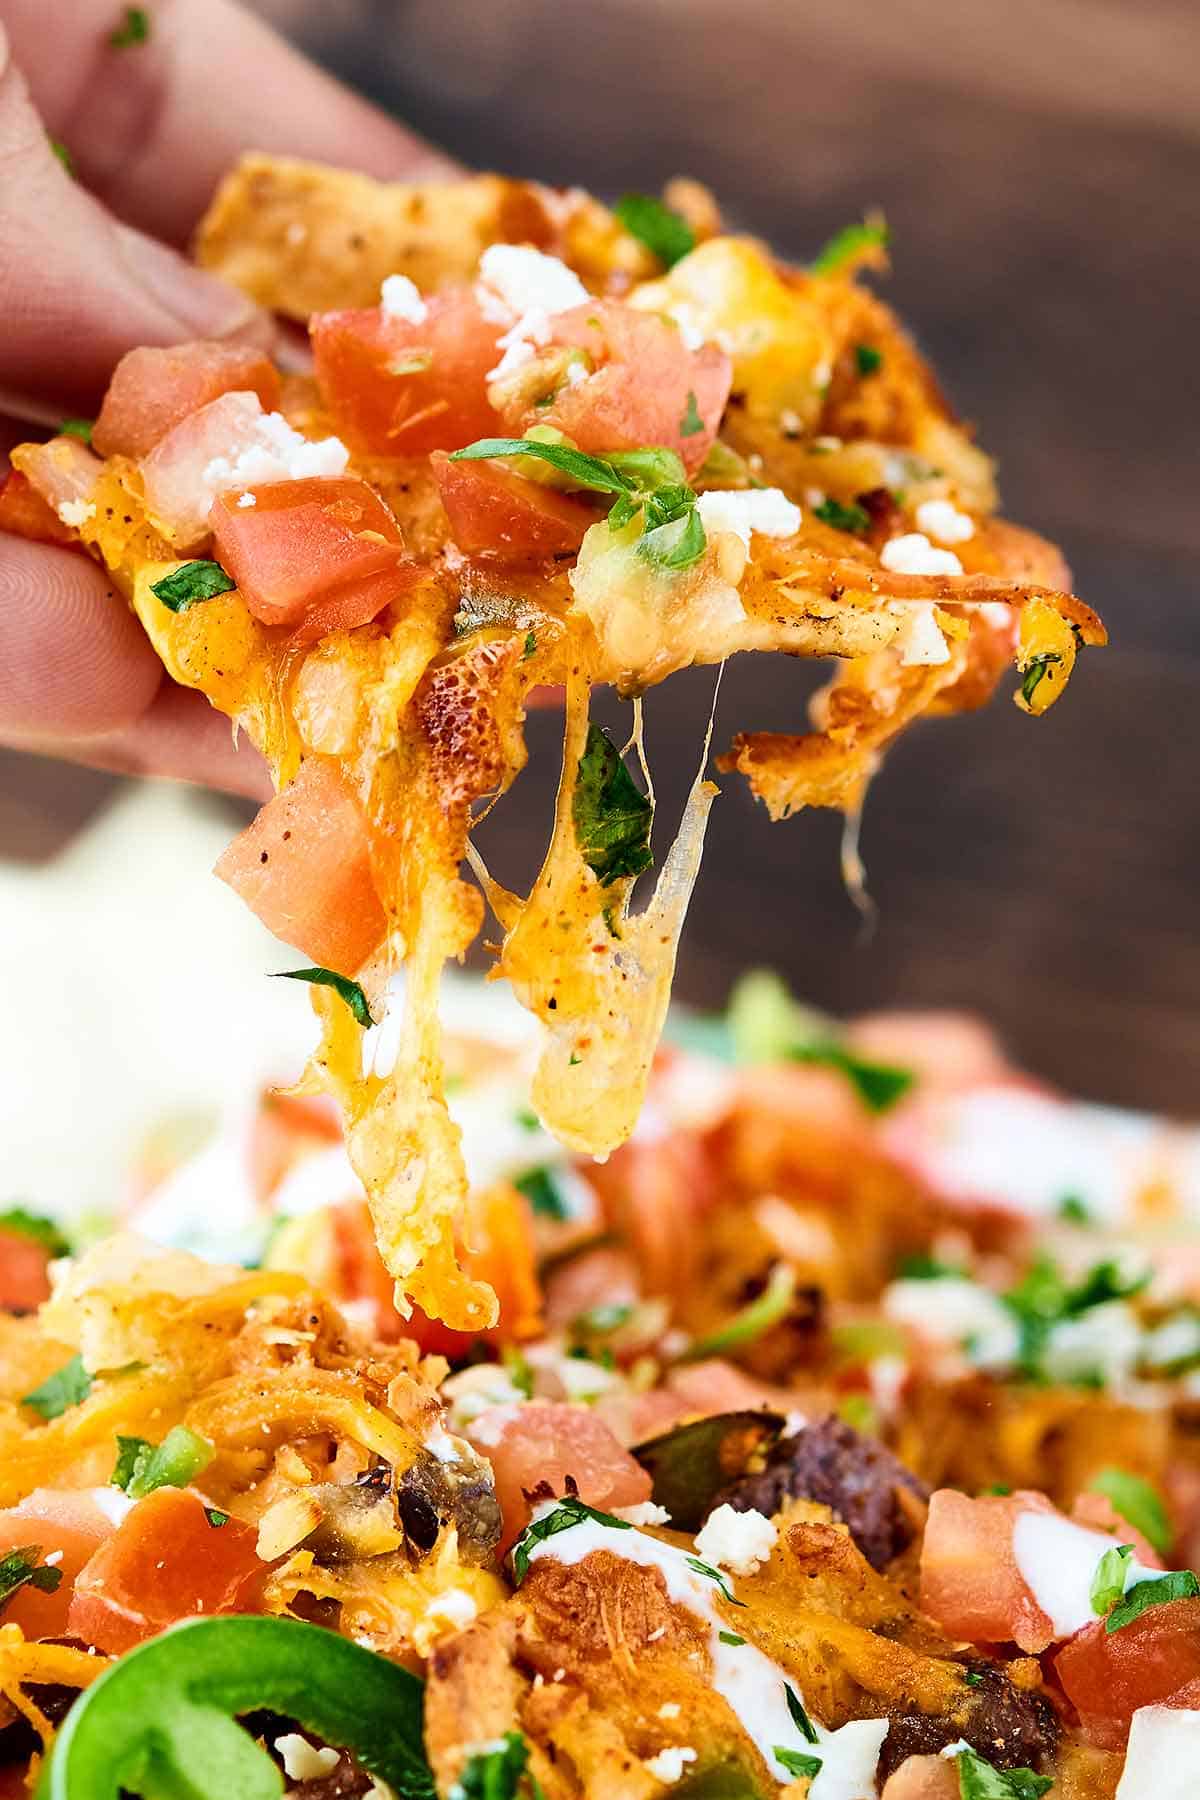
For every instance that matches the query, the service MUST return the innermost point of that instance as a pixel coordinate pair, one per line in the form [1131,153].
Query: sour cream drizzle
[751,1684]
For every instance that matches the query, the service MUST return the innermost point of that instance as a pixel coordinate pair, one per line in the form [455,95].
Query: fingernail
[200,302]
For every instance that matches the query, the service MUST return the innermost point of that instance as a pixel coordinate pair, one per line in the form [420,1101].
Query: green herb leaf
[846,244]
[612,816]
[343,987]
[923,1267]
[21,1568]
[691,421]
[39,1230]
[1043,1297]
[517,1367]
[530,645]
[677,544]
[215,1518]
[63,154]
[191,582]
[1177,1584]
[800,1718]
[1074,1210]
[566,1514]
[731,1638]
[753,1320]
[867,359]
[599,1321]
[665,233]
[973,1678]
[715,1576]
[796,1762]
[60,1391]
[79,428]
[1137,1502]
[1108,1579]
[541,1188]
[860,1413]
[141,1467]
[592,472]
[879,1085]
[499,1772]
[843,518]
[1031,680]
[134,28]
[979,1779]
[527,1119]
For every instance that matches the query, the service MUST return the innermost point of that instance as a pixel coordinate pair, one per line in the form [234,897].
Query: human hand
[89,269]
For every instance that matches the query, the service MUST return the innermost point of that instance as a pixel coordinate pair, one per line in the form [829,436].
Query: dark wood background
[1040,165]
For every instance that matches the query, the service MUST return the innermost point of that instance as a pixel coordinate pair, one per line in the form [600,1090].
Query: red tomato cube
[495,513]
[395,388]
[167,1561]
[970,1582]
[539,1442]
[321,554]
[1107,1675]
[303,865]
[152,390]
[65,1525]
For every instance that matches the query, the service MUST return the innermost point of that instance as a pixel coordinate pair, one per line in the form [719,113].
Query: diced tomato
[922,1778]
[24,1281]
[398,389]
[63,1524]
[1153,1661]
[165,1562]
[25,514]
[304,867]
[498,514]
[324,555]
[153,390]
[970,1582]
[646,388]
[600,1277]
[286,1128]
[175,475]
[539,1443]
[498,1247]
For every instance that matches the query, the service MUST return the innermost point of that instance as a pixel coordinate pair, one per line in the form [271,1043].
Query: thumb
[81,289]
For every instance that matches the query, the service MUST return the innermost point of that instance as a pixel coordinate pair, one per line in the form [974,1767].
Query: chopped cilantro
[1043,1298]
[541,1188]
[796,1762]
[1032,678]
[859,1412]
[973,1678]
[573,1061]
[664,232]
[843,518]
[612,816]
[134,28]
[731,1638]
[714,1575]
[596,473]
[141,1467]
[879,1085]
[216,1518]
[66,1388]
[517,1367]
[527,1119]
[63,154]
[530,645]
[343,987]
[1074,1210]
[1108,1579]
[498,1771]
[691,421]
[19,1568]
[923,1267]
[848,244]
[569,1512]
[867,359]
[1139,1503]
[598,1321]
[39,1230]
[1177,1584]
[80,428]
[677,544]
[979,1779]
[800,1718]
[190,582]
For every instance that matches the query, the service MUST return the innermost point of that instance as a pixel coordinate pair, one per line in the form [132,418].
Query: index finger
[152,126]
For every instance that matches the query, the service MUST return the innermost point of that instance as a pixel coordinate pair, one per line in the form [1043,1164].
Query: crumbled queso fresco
[913,554]
[738,1541]
[400,298]
[523,285]
[765,510]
